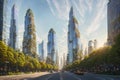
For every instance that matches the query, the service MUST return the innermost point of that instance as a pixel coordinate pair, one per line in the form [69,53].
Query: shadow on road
[43,77]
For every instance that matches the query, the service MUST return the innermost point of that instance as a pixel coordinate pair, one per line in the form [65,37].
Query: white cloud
[80,7]
[50,6]
[89,4]
[99,16]
[61,7]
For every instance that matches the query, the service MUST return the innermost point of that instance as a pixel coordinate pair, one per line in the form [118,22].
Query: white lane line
[74,76]
[61,78]
[49,77]
[100,78]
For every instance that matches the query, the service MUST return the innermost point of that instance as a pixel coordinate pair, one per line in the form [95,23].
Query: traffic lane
[81,77]
[107,77]
[69,76]
[90,76]
[44,77]
[55,76]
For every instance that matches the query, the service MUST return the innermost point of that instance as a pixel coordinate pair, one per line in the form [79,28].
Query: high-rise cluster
[113,13]
[29,39]
[73,37]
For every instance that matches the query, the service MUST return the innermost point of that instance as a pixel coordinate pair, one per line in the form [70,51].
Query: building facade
[41,50]
[95,44]
[3,14]
[51,45]
[92,45]
[113,17]
[29,39]
[13,29]
[73,37]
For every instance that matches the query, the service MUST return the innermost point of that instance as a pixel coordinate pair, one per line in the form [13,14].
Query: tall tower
[95,44]
[13,26]
[41,50]
[113,18]
[29,39]
[73,37]
[3,8]
[86,52]
[90,46]
[51,45]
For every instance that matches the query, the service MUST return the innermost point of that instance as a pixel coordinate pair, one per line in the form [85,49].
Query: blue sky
[91,15]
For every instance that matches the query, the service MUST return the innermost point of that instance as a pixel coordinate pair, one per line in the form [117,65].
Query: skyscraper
[73,37]
[3,7]
[113,17]
[29,39]
[95,44]
[13,28]
[51,45]
[41,51]
[90,46]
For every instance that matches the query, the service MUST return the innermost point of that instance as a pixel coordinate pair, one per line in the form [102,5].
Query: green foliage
[101,60]
[3,52]
[13,61]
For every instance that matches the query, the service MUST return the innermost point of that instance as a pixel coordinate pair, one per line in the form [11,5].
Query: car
[51,71]
[79,72]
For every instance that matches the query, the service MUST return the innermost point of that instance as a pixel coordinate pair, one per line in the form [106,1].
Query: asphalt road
[71,76]
[59,76]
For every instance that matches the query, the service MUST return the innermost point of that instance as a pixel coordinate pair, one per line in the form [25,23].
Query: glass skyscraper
[73,37]
[51,45]
[3,15]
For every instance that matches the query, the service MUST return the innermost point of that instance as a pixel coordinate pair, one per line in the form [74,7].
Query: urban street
[60,76]
[71,76]
[59,39]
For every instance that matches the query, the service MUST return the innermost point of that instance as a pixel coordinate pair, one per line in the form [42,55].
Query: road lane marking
[74,76]
[61,78]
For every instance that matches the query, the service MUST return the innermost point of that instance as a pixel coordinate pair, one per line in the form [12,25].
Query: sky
[91,16]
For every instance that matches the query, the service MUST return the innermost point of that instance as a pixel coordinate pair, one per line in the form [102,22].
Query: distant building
[73,37]
[29,39]
[90,46]
[113,17]
[95,44]
[13,29]
[64,59]
[41,50]
[51,45]
[3,8]
[57,58]
[86,52]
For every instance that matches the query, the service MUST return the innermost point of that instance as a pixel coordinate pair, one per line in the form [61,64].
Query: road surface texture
[23,76]
[71,76]
[64,76]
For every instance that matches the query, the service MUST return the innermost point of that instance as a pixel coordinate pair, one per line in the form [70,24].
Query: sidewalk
[23,76]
